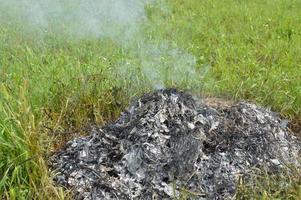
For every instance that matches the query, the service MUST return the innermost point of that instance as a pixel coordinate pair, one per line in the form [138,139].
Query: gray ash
[166,140]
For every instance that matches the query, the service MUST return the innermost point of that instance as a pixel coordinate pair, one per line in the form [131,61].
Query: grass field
[52,85]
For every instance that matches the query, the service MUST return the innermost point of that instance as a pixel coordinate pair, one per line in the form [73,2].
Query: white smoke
[118,20]
[115,19]
[162,63]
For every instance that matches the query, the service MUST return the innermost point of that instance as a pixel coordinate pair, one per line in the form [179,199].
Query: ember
[166,141]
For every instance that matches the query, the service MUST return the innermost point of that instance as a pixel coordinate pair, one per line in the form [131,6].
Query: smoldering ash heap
[166,141]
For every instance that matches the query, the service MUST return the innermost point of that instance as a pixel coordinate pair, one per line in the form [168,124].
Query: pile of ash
[166,141]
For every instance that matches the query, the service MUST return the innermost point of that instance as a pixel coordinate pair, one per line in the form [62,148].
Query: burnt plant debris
[167,142]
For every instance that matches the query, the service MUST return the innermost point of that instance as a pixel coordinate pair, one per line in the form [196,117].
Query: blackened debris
[166,141]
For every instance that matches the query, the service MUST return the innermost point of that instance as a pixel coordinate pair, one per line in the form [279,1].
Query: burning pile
[166,141]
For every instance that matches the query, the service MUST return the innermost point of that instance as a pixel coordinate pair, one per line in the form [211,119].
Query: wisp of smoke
[118,20]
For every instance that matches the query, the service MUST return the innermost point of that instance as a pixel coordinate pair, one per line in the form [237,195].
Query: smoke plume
[118,20]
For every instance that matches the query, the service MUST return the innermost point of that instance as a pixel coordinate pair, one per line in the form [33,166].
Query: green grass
[52,85]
